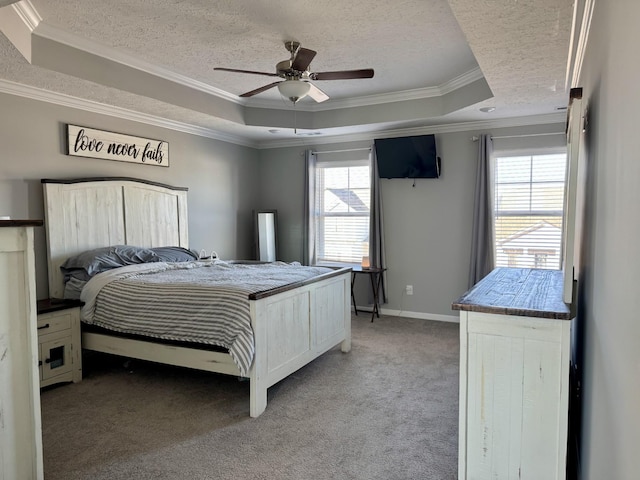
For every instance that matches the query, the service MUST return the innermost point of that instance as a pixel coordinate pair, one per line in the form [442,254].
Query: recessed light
[487,109]
[275,130]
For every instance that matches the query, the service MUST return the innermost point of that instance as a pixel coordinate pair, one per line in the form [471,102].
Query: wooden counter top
[518,291]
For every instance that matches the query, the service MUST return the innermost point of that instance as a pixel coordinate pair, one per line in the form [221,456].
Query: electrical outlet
[409,289]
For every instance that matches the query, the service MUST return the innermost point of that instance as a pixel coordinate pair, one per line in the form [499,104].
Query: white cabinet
[60,356]
[514,377]
[20,425]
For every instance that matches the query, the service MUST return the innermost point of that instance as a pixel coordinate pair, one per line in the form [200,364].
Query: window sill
[337,264]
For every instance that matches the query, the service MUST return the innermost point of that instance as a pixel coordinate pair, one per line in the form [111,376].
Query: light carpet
[386,410]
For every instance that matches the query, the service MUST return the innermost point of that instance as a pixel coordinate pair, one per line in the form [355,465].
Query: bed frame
[292,325]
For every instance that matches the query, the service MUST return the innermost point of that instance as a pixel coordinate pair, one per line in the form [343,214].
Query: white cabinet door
[55,356]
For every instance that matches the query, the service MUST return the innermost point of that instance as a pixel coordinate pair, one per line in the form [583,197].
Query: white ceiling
[436,62]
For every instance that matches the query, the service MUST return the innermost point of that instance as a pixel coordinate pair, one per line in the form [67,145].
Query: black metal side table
[375,276]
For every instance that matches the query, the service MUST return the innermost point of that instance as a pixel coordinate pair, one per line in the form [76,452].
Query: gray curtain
[309,252]
[482,239]
[376,225]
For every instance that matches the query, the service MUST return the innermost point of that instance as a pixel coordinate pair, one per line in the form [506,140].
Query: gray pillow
[174,254]
[87,264]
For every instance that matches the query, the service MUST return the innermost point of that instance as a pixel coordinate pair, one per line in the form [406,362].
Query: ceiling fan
[296,74]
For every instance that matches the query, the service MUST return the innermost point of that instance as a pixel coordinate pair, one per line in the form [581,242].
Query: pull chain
[295,129]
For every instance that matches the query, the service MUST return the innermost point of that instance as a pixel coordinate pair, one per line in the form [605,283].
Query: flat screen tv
[407,157]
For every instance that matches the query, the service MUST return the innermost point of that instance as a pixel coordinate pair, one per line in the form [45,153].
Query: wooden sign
[91,143]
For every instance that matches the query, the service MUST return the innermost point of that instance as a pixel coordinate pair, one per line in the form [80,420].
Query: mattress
[199,302]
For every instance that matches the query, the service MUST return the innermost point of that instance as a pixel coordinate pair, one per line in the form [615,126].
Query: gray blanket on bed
[191,301]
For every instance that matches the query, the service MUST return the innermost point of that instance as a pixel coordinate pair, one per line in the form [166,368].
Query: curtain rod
[342,151]
[476,138]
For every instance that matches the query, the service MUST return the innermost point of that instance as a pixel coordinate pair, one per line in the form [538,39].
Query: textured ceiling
[411,43]
[435,61]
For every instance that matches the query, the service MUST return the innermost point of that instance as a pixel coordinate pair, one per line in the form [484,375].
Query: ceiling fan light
[294,90]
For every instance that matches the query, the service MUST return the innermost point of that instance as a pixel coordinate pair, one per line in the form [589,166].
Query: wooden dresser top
[21,223]
[518,291]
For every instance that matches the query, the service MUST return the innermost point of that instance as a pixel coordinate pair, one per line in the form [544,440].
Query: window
[342,207]
[529,210]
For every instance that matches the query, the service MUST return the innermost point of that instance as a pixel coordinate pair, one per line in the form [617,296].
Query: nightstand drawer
[54,322]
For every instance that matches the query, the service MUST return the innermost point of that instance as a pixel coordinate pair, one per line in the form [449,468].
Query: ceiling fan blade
[259,90]
[343,75]
[317,94]
[303,59]
[246,71]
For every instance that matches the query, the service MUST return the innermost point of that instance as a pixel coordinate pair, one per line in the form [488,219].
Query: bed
[292,324]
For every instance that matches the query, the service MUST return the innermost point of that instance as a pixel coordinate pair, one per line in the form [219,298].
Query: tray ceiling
[435,61]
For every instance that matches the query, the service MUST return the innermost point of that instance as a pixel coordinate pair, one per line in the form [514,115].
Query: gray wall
[427,227]
[609,298]
[221,177]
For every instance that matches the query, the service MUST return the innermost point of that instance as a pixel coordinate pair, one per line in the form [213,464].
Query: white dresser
[515,335]
[20,424]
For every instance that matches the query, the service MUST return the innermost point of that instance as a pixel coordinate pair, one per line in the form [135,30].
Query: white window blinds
[342,211]
[529,210]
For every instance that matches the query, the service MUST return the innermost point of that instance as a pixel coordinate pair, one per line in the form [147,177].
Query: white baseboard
[420,315]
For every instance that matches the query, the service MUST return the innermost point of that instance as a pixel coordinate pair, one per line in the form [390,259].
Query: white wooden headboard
[89,213]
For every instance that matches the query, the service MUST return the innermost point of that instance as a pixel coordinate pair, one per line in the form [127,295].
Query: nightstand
[59,349]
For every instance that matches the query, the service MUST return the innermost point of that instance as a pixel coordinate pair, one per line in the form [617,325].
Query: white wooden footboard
[294,327]
[290,329]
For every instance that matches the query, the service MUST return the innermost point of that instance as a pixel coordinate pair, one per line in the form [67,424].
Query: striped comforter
[197,302]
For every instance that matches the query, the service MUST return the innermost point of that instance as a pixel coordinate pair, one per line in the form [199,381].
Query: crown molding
[33,93]
[425,130]
[580,26]
[64,100]
[361,101]
[461,81]
[28,14]
[17,22]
